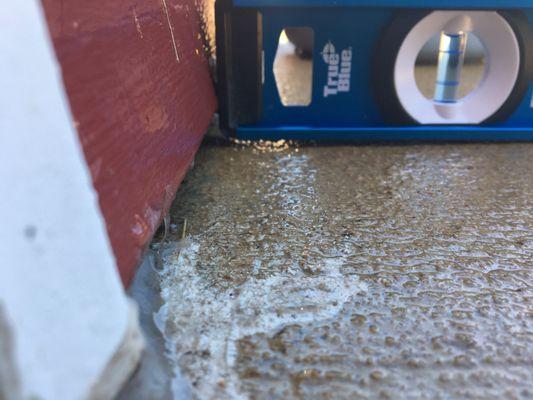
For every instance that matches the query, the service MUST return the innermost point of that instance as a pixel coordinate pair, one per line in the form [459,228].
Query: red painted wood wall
[141,97]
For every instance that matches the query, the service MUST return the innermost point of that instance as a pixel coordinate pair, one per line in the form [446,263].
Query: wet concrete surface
[347,272]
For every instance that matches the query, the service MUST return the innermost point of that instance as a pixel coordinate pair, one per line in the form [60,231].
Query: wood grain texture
[141,96]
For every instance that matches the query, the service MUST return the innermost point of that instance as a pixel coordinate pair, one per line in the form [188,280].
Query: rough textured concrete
[353,272]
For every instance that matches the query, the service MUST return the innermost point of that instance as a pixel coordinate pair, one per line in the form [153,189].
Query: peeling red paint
[142,97]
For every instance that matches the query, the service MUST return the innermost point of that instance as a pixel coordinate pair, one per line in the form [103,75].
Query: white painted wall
[65,307]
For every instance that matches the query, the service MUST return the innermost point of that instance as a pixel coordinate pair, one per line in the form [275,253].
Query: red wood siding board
[140,108]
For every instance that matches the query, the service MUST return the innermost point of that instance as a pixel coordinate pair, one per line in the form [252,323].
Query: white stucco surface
[63,301]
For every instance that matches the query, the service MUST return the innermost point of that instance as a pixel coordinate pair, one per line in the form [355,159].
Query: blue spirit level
[361,58]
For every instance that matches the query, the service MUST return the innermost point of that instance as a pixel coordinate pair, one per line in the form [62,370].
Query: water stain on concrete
[353,272]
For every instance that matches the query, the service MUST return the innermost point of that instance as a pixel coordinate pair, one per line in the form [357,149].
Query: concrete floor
[350,272]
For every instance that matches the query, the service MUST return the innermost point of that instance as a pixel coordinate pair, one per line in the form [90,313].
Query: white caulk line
[171,31]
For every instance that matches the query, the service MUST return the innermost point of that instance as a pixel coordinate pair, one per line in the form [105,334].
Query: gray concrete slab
[352,272]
